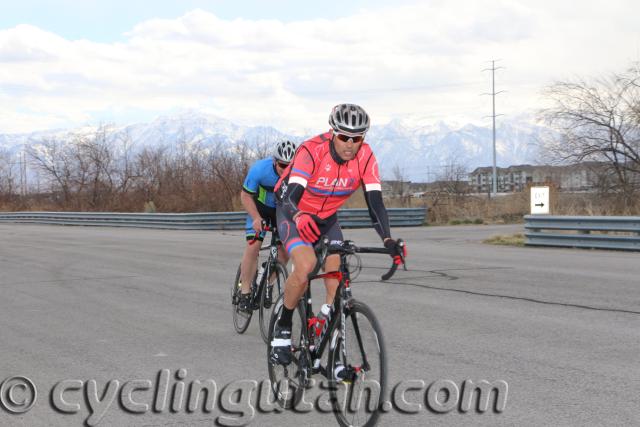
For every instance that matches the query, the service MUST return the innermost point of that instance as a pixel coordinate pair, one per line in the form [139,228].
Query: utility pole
[493,117]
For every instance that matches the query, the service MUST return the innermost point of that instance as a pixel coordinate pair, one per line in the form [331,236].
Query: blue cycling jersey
[261,180]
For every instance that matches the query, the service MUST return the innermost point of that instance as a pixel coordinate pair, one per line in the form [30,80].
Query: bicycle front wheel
[241,319]
[267,304]
[357,369]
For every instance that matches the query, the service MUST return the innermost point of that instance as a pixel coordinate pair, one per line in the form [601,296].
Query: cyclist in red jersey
[324,172]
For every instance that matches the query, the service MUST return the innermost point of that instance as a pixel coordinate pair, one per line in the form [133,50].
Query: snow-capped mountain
[424,153]
[421,152]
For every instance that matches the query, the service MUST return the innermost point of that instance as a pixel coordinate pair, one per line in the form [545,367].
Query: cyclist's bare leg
[304,260]
[249,264]
[331,285]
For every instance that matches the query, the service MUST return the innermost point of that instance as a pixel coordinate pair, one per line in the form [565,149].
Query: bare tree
[99,171]
[7,176]
[453,179]
[97,152]
[598,121]
[53,159]
[229,170]
[125,164]
[399,186]
[148,170]
[82,168]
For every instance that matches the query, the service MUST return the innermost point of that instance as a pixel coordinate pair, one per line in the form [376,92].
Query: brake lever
[321,250]
[394,266]
[403,257]
[390,273]
[265,227]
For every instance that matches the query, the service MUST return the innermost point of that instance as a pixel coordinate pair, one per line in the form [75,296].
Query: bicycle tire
[278,286]
[354,265]
[241,319]
[286,384]
[347,396]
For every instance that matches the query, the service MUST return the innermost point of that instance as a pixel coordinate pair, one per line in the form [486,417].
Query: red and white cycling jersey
[328,184]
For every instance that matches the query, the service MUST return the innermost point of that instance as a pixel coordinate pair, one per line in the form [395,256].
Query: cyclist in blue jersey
[259,201]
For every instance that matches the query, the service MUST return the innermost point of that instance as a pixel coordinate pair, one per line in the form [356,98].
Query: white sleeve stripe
[298,180]
[372,187]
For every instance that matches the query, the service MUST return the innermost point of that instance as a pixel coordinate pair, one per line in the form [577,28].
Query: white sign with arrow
[539,200]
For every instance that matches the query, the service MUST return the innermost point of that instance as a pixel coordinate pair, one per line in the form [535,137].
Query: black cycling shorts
[289,233]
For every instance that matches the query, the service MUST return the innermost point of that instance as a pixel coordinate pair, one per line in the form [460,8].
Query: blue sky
[286,63]
[107,21]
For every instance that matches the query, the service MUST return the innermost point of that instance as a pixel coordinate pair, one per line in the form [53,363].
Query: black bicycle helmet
[349,119]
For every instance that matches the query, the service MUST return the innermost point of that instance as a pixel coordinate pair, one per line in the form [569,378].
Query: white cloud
[422,60]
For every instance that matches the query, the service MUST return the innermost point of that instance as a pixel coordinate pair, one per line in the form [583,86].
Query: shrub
[150,207]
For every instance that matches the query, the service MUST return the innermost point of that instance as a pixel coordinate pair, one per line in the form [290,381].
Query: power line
[391,89]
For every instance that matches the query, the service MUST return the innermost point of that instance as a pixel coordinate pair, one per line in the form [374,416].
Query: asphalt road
[560,326]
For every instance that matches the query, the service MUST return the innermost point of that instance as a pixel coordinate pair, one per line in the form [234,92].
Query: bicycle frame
[341,302]
[270,262]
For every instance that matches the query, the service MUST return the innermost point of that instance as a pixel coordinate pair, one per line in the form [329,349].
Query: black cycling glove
[397,251]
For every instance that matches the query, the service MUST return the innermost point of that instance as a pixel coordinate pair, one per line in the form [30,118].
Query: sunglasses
[346,138]
[283,165]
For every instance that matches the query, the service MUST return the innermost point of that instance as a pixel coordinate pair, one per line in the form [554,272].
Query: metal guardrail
[349,218]
[398,217]
[599,232]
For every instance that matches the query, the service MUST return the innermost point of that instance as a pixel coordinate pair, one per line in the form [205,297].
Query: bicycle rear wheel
[360,355]
[241,319]
[280,272]
[288,382]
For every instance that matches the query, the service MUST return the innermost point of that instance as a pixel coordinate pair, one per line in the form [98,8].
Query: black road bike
[274,274]
[355,365]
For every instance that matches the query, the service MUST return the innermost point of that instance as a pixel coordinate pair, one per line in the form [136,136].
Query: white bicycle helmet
[284,151]
[349,119]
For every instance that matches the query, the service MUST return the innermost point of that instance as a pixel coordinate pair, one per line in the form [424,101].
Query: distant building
[577,177]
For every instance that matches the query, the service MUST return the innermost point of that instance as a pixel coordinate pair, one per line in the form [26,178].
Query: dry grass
[507,240]
[454,210]
[511,208]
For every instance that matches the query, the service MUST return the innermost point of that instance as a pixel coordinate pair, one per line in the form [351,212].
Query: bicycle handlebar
[324,248]
[265,227]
